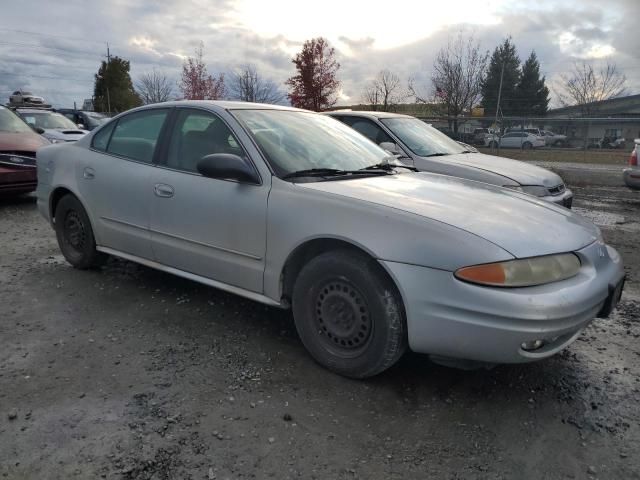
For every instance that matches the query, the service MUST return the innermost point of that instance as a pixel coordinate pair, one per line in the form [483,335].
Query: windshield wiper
[439,154]
[330,172]
[389,166]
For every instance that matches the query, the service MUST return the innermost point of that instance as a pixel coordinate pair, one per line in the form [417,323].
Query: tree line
[463,77]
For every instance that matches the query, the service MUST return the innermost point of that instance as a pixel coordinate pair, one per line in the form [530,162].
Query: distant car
[18,146]
[554,139]
[294,209]
[631,175]
[54,126]
[83,119]
[483,136]
[520,139]
[420,145]
[24,98]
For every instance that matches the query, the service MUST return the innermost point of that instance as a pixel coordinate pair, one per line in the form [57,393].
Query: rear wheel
[75,235]
[527,146]
[348,314]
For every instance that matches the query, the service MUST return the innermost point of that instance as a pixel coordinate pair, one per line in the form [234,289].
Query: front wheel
[75,235]
[527,146]
[349,314]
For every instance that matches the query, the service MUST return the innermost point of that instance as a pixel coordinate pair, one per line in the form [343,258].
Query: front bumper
[453,319]
[565,199]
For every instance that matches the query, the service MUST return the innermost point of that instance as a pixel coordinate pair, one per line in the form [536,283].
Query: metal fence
[613,133]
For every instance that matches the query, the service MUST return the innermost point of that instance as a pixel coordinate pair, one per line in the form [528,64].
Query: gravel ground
[130,373]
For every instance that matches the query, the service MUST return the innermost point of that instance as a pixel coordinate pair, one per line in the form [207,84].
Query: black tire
[527,146]
[75,235]
[349,314]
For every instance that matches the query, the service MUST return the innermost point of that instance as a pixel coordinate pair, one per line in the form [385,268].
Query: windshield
[293,141]
[10,122]
[420,138]
[96,119]
[48,120]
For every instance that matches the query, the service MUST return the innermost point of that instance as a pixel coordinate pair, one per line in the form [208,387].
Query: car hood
[67,135]
[23,142]
[519,223]
[521,172]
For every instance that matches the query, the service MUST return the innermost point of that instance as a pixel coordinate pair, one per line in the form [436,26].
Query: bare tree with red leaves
[315,86]
[196,83]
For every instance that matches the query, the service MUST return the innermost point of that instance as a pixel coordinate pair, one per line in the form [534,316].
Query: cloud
[56,50]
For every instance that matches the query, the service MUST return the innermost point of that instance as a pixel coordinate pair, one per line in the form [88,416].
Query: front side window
[369,129]
[136,135]
[101,138]
[196,134]
[292,141]
[421,138]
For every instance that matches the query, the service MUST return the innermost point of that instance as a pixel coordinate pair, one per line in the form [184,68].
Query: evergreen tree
[532,94]
[504,54]
[113,87]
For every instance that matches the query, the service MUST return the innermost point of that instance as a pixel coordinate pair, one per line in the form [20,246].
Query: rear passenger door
[115,179]
[209,227]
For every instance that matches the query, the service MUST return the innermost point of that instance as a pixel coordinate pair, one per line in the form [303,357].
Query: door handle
[89,173]
[163,190]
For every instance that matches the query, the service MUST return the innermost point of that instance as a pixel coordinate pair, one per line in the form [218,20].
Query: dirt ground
[129,373]
[607,156]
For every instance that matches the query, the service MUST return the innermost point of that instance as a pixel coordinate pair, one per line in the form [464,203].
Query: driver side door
[209,227]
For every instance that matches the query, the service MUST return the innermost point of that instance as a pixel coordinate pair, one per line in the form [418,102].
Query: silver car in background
[421,145]
[296,210]
[53,126]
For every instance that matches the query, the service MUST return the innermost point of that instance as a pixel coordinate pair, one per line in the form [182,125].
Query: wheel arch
[310,249]
[56,195]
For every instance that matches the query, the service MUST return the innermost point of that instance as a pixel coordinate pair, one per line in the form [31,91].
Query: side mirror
[226,166]
[39,130]
[390,147]
[80,126]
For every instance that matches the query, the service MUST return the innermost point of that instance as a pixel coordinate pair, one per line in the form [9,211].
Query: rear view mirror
[226,166]
[390,147]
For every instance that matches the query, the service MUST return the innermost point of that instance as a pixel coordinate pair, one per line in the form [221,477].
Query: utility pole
[498,104]
[107,82]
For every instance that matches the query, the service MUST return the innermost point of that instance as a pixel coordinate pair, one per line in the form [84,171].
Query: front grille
[19,153]
[557,190]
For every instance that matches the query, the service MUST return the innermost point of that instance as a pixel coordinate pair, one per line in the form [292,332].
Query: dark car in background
[18,146]
[84,119]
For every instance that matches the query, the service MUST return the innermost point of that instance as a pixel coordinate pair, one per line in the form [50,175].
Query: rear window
[135,135]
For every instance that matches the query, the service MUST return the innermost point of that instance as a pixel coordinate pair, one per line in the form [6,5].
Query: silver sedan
[296,210]
[430,150]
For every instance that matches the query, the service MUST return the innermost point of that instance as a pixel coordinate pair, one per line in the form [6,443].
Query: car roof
[35,110]
[223,104]
[366,113]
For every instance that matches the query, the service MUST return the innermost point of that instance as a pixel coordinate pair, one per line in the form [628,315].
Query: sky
[55,48]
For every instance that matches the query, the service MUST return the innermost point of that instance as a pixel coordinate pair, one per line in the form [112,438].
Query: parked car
[483,136]
[83,119]
[21,98]
[54,126]
[294,209]
[631,175]
[607,142]
[554,139]
[420,145]
[520,139]
[18,146]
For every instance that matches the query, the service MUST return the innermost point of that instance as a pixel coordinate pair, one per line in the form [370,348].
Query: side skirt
[257,297]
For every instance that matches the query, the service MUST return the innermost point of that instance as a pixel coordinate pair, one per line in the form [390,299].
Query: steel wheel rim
[342,318]
[74,232]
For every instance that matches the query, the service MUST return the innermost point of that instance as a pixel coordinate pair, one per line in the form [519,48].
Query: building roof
[619,106]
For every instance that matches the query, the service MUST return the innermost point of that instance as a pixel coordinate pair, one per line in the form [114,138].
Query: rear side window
[136,135]
[368,128]
[101,138]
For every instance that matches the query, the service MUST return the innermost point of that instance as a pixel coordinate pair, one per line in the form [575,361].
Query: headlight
[524,272]
[535,190]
